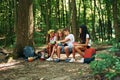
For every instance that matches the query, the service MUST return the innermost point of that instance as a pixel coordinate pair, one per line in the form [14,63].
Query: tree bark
[84,14]
[74,17]
[115,18]
[24,28]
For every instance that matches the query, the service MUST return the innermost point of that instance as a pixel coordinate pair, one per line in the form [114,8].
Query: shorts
[69,49]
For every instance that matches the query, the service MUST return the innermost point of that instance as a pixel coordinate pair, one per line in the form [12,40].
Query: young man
[67,48]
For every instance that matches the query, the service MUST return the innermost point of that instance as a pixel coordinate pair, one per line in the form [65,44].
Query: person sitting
[59,36]
[51,42]
[67,48]
[85,43]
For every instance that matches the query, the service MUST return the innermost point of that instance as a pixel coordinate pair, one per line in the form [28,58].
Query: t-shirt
[71,39]
[89,43]
[52,40]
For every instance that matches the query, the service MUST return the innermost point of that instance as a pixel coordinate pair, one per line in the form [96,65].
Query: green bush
[107,64]
[39,38]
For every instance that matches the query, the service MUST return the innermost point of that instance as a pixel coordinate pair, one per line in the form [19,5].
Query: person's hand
[57,42]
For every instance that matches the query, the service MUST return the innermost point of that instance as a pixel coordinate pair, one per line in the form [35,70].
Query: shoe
[42,59]
[67,60]
[57,60]
[81,60]
[72,60]
[49,59]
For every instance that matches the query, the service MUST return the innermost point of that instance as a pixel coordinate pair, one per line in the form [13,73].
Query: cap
[51,30]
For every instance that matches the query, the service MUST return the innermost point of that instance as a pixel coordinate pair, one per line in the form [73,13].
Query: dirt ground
[37,70]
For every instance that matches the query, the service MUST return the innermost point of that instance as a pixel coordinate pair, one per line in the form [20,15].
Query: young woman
[59,36]
[51,42]
[85,42]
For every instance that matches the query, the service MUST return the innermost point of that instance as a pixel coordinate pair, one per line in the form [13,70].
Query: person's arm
[86,44]
[63,41]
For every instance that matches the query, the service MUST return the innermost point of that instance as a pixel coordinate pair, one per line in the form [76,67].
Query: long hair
[83,33]
[57,34]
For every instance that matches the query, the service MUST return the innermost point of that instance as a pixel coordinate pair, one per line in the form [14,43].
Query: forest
[27,22]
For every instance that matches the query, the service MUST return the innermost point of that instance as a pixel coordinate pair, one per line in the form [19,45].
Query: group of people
[63,41]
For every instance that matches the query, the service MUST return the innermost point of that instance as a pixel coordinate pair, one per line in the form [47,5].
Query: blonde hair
[57,34]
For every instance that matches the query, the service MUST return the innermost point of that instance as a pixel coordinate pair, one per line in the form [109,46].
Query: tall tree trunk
[57,13]
[24,28]
[69,12]
[109,24]
[79,10]
[48,13]
[74,17]
[115,18]
[93,19]
[102,21]
[63,17]
[84,14]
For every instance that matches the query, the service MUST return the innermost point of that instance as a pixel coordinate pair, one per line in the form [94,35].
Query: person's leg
[66,50]
[50,49]
[73,52]
[51,57]
[58,51]
[53,51]
[78,49]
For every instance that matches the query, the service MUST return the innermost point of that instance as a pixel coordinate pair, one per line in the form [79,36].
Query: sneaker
[57,60]
[67,60]
[72,60]
[81,60]
[49,59]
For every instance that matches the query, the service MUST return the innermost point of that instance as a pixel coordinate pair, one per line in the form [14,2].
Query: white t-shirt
[89,42]
[71,40]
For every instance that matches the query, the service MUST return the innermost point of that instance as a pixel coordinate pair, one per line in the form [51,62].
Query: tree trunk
[24,28]
[84,14]
[74,17]
[115,18]
[79,10]
[102,21]
[93,11]
[69,13]
[48,14]
[109,24]
[57,13]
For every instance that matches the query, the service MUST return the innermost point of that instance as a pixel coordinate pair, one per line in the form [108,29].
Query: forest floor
[37,70]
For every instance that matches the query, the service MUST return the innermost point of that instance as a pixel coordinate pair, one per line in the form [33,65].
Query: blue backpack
[28,51]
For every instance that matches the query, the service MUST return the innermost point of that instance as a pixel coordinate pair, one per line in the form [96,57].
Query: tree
[74,18]
[115,19]
[24,26]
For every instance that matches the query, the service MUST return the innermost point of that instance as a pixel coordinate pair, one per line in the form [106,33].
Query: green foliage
[115,47]
[39,38]
[106,63]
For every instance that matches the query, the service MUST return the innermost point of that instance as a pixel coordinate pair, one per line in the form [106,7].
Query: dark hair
[83,33]
[66,29]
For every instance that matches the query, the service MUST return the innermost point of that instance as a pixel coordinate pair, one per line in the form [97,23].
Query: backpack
[89,55]
[28,51]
